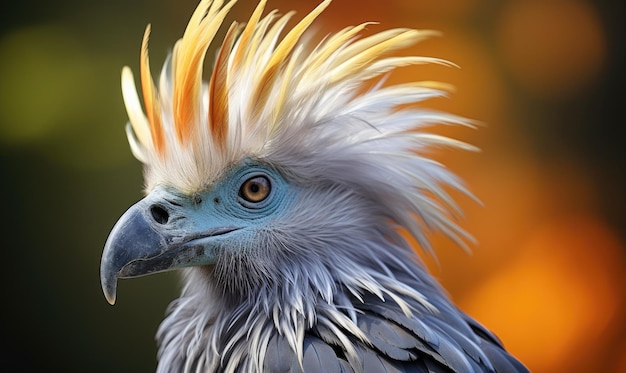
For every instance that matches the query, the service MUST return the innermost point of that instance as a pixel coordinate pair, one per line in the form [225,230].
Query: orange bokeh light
[562,291]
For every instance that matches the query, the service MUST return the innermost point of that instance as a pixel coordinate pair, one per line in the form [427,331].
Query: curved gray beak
[156,235]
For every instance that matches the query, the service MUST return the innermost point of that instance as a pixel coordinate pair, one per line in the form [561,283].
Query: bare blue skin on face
[169,230]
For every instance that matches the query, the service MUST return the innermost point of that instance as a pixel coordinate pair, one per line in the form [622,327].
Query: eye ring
[255,189]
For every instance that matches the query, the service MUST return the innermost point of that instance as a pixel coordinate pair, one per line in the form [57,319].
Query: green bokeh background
[67,174]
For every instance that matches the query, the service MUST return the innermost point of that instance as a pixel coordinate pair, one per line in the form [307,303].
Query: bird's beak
[155,236]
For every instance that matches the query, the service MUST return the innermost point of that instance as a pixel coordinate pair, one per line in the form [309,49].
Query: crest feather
[139,131]
[189,56]
[218,89]
[150,98]
[281,53]
[265,92]
[248,32]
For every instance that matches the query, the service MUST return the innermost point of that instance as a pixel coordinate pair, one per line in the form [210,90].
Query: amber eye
[255,189]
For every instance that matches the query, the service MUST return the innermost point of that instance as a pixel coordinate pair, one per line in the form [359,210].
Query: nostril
[159,214]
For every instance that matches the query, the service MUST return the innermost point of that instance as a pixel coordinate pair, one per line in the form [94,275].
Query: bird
[289,188]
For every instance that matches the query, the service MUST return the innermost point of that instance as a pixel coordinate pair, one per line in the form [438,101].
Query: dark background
[551,173]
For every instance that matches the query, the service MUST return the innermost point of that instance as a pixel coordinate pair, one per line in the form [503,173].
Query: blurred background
[547,273]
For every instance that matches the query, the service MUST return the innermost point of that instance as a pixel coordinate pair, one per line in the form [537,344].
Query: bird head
[294,163]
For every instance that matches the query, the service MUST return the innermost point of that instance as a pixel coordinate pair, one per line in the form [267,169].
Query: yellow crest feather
[260,86]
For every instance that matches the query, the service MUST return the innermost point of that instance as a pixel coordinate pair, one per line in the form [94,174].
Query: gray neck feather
[206,331]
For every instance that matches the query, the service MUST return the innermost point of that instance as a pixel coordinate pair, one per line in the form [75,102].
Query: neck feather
[218,332]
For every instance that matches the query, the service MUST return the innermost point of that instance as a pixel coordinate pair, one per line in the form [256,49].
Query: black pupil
[254,187]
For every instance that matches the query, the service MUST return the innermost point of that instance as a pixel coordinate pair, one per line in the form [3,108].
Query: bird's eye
[255,189]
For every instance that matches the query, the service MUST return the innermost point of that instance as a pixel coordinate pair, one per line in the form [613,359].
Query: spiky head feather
[316,112]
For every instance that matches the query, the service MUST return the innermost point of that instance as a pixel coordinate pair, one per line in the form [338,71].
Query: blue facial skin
[168,230]
[224,210]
